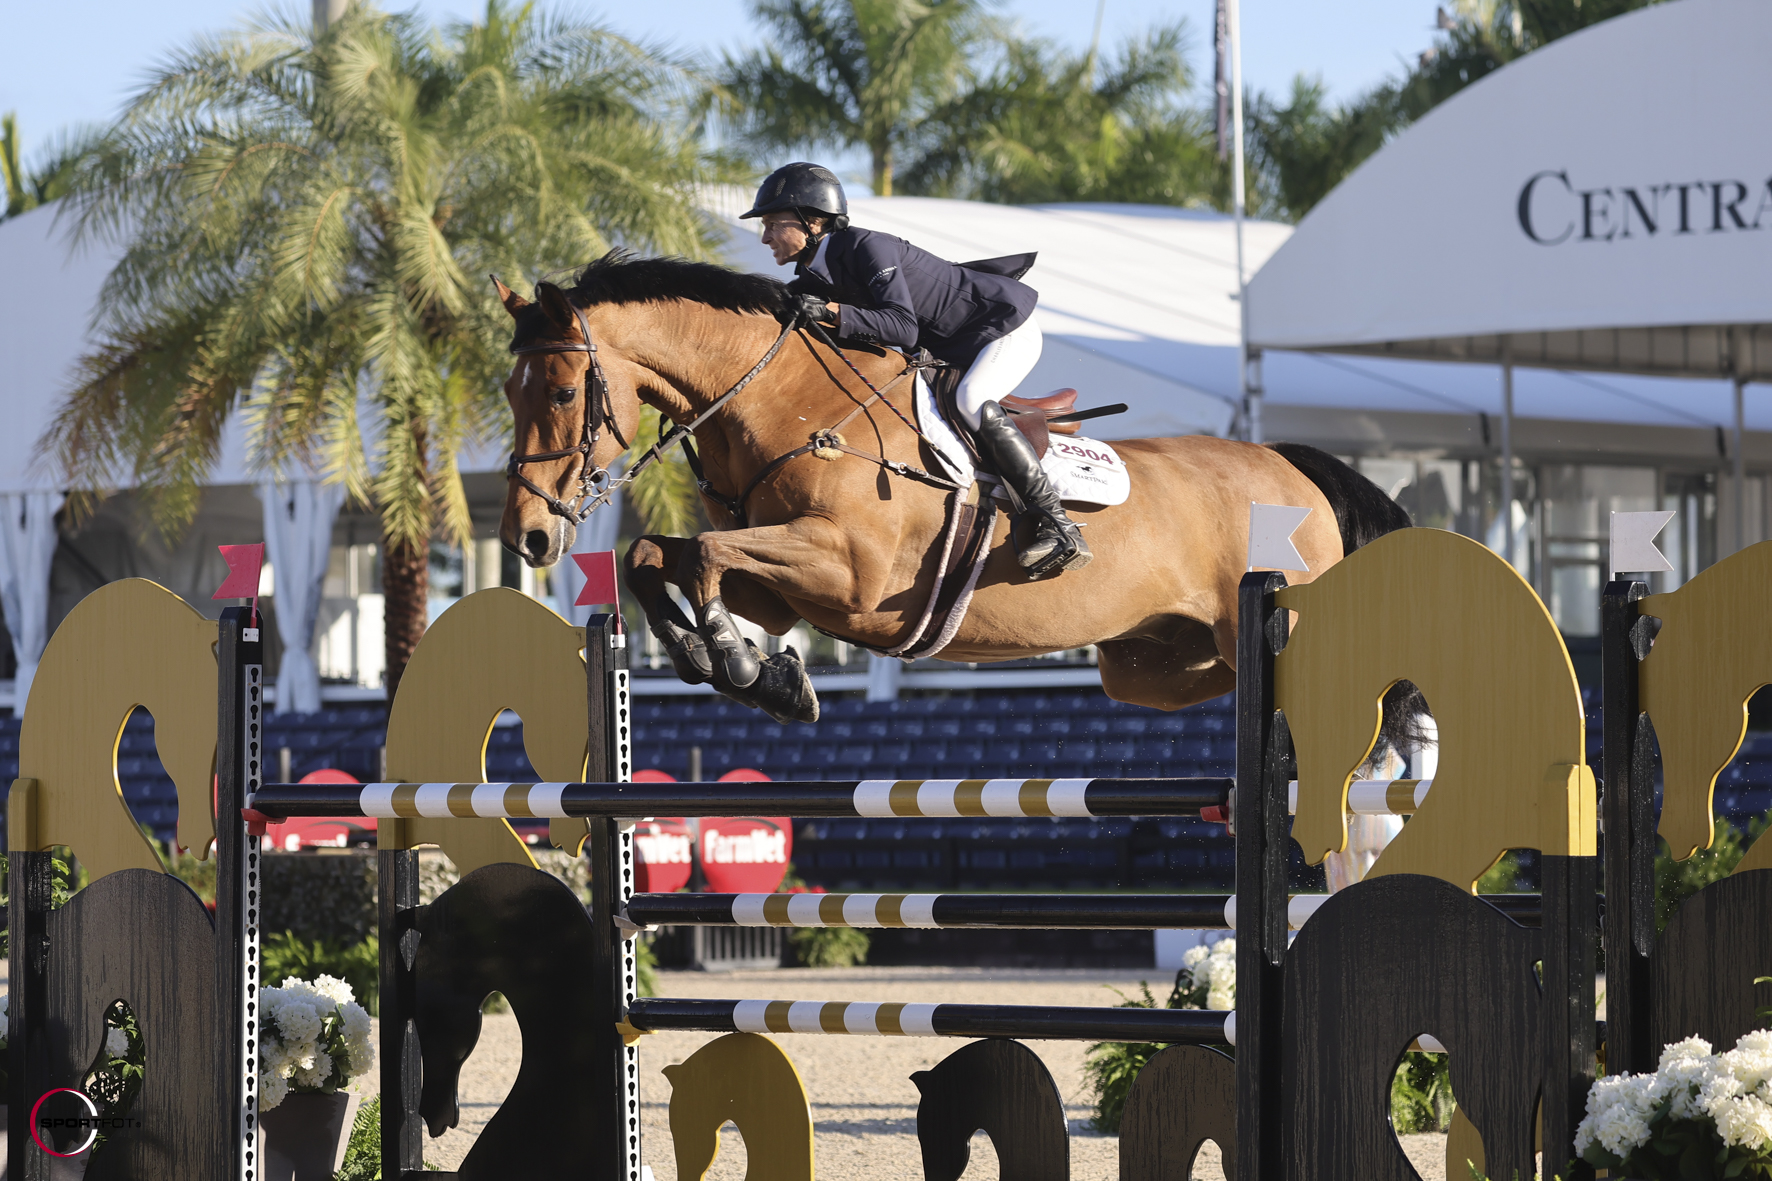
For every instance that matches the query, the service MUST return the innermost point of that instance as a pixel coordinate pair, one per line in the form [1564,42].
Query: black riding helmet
[804,188]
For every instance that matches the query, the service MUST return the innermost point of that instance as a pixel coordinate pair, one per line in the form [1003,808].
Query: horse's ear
[553,301]
[922,1078]
[513,302]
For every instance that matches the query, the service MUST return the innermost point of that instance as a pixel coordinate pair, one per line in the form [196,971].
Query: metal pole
[1507,452]
[1740,464]
[1249,403]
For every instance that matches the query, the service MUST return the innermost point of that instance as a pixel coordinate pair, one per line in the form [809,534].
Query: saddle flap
[1024,411]
[1037,430]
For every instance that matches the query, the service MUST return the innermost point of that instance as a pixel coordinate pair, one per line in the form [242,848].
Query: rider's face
[785,235]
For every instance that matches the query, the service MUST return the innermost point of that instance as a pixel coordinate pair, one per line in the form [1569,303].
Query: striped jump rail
[1011,911]
[275,802]
[1193,1027]
[1198,1027]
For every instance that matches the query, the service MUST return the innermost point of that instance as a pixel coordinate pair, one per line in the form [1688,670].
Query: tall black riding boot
[1057,543]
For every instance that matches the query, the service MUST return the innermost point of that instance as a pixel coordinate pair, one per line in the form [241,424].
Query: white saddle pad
[1083,470]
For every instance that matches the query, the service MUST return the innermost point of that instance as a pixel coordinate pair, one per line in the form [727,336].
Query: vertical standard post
[1627,825]
[615,1106]
[1740,442]
[239,769]
[1571,929]
[1260,815]
[402,1069]
[1507,451]
[29,883]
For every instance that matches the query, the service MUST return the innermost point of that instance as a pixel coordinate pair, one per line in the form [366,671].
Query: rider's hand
[812,309]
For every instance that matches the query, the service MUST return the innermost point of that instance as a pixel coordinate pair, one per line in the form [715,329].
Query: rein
[595,485]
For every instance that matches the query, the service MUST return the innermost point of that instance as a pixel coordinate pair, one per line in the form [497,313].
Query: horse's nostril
[536,542]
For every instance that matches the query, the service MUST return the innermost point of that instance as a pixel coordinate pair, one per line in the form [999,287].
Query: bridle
[594,484]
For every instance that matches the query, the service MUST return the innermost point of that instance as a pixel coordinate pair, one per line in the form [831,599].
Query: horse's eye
[565,395]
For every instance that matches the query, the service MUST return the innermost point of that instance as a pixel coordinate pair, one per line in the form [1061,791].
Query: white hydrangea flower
[116,1042]
[1194,955]
[335,990]
[1744,1122]
[271,1091]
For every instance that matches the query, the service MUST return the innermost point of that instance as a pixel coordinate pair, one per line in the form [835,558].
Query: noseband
[592,479]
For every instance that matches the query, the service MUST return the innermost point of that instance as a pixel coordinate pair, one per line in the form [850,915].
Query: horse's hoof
[783,690]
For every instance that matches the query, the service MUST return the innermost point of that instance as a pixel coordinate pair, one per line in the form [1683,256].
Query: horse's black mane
[621,277]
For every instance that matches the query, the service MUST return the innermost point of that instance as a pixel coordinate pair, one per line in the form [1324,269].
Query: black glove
[812,309]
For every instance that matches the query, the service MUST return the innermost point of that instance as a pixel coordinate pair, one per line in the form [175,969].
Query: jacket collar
[818,268]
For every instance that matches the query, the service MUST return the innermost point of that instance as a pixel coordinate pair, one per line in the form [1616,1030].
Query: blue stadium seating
[1025,733]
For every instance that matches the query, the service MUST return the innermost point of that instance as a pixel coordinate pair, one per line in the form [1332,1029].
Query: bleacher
[1017,734]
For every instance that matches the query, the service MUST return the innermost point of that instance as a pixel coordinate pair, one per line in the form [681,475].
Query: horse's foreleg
[808,558]
[648,560]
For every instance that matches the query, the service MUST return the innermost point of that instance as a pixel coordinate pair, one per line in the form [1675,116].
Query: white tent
[1596,206]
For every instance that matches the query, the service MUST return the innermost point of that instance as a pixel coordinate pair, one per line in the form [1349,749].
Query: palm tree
[1051,125]
[309,223]
[27,188]
[844,73]
[1305,148]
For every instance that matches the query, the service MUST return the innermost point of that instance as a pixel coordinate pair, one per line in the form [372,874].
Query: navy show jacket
[897,294]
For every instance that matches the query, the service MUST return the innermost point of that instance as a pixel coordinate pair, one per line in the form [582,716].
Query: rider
[871,288]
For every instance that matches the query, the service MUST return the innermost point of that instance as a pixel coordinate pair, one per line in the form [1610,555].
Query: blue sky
[55,73]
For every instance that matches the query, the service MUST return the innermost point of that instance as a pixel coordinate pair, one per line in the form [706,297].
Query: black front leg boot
[687,650]
[736,662]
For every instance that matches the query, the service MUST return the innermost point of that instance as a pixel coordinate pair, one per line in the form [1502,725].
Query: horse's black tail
[1363,513]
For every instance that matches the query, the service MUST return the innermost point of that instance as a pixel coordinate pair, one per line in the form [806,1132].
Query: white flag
[1633,541]
[1270,536]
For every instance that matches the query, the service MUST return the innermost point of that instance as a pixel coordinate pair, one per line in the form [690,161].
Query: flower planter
[304,1137]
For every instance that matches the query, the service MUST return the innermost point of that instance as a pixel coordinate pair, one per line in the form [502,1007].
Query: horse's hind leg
[648,560]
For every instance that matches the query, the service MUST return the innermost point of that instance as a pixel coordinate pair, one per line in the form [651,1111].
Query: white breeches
[998,370]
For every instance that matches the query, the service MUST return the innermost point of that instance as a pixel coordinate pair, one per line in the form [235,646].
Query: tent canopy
[1598,204]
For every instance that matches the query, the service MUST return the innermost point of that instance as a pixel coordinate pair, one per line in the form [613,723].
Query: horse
[850,545]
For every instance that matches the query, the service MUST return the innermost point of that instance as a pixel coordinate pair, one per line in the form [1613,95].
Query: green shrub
[645,967]
[359,965]
[1110,1067]
[1421,1094]
[363,1152]
[1676,881]
[829,947]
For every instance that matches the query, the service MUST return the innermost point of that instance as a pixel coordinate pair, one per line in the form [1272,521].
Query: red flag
[244,563]
[599,572]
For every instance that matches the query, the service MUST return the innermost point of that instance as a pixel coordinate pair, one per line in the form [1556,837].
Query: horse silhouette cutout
[1446,614]
[744,1079]
[168,979]
[494,650]
[1712,652]
[135,933]
[1341,1046]
[517,931]
[129,645]
[1002,1088]
[1184,1096]
[1440,610]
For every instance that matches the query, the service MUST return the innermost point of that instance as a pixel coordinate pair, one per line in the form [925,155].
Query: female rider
[875,288]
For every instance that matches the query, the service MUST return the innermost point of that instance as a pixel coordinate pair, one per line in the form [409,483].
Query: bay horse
[848,546]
